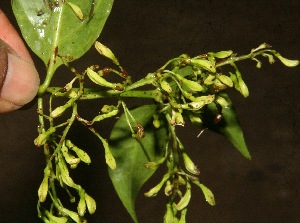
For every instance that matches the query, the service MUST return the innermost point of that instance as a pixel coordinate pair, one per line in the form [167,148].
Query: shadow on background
[144,34]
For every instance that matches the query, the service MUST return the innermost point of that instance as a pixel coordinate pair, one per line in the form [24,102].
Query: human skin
[19,79]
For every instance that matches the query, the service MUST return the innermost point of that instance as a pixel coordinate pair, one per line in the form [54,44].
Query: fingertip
[20,85]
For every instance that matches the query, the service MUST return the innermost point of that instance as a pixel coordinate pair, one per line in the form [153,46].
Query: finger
[18,76]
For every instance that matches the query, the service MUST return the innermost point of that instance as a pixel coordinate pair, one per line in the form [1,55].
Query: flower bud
[42,138]
[71,214]
[105,51]
[166,86]
[81,207]
[83,156]
[70,159]
[205,64]
[168,188]
[153,192]
[222,54]
[243,87]
[90,203]
[189,165]
[170,216]
[110,160]
[184,201]
[77,10]
[43,189]
[182,216]
[287,62]
[156,122]
[97,79]
[55,219]
[209,79]
[209,197]
[225,80]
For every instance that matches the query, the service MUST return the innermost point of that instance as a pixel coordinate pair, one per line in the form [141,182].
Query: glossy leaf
[227,126]
[53,28]
[131,155]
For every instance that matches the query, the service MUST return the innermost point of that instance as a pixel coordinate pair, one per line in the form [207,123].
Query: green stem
[243,57]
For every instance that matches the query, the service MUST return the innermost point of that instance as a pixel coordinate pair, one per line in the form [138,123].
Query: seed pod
[166,86]
[189,165]
[84,157]
[43,137]
[205,64]
[184,201]
[225,80]
[77,10]
[90,203]
[222,54]
[81,207]
[43,189]
[105,51]
[287,62]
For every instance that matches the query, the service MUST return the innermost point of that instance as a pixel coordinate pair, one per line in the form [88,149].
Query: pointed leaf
[53,28]
[131,155]
[227,126]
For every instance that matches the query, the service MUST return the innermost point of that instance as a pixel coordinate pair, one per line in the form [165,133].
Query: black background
[145,34]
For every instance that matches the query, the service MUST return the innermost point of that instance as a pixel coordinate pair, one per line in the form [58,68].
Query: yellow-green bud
[76,10]
[166,86]
[81,207]
[55,219]
[189,165]
[42,138]
[90,203]
[184,201]
[205,64]
[105,51]
[225,80]
[43,189]
[287,62]
[71,214]
[209,197]
[83,156]
[222,54]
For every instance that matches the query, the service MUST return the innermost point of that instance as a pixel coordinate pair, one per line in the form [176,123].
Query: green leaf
[53,28]
[228,126]
[131,154]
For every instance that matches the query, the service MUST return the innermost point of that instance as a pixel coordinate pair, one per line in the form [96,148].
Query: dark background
[145,34]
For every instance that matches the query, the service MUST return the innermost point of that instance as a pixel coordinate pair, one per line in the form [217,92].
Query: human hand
[19,80]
